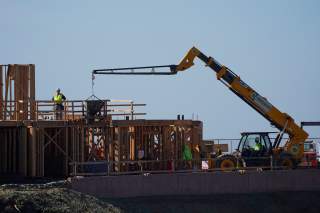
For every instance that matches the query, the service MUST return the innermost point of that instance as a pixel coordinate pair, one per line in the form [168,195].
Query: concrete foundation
[199,183]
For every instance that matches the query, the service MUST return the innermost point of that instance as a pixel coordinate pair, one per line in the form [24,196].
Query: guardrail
[109,168]
[72,109]
[233,142]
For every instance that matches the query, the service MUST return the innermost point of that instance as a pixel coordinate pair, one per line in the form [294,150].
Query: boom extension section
[152,70]
[285,123]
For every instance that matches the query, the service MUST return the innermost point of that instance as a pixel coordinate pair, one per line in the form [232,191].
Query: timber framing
[46,149]
[34,143]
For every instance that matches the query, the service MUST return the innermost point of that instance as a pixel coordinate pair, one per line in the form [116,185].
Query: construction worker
[258,145]
[187,156]
[58,99]
[140,157]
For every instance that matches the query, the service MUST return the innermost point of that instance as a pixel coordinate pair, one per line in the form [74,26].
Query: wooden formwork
[41,149]
[160,140]
[46,148]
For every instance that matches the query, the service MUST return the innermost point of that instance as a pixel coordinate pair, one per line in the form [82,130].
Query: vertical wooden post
[9,151]
[21,86]
[24,91]
[131,110]
[72,104]
[117,154]
[23,151]
[6,90]
[33,151]
[41,153]
[83,143]
[67,151]
[132,143]
[14,153]
[32,94]
[39,148]
[12,114]
[16,95]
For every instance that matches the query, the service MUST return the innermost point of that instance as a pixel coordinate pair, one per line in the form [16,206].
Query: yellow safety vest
[57,99]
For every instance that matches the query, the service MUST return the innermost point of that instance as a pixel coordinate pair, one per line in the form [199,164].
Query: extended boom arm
[286,124]
[282,121]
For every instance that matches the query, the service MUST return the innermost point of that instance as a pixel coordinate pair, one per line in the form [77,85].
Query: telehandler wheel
[286,162]
[227,163]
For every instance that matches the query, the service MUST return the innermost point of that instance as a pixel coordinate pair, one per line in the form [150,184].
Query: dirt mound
[52,197]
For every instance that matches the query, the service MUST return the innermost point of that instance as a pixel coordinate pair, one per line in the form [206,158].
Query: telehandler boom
[293,148]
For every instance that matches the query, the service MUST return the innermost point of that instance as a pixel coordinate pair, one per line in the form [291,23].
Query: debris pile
[50,197]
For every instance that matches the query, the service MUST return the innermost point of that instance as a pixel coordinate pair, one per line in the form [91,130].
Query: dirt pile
[51,197]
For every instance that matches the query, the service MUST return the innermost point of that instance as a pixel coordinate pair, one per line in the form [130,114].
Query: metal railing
[72,109]
[111,168]
[178,165]
[234,142]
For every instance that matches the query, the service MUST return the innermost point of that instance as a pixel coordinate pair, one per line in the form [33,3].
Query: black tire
[226,163]
[286,161]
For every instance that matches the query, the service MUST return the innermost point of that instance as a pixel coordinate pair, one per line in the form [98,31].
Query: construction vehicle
[288,155]
[310,155]
[311,148]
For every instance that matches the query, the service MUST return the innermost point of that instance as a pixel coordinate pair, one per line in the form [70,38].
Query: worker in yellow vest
[58,99]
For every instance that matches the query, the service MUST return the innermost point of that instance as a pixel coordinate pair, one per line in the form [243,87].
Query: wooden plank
[42,152]
[132,143]
[32,92]
[16,92]
[66,138]
[8,123]
[33,152]
[6,91]
[23,151]
[155,122]
[26,92]
[20,87]
[9,151]
[22,91]
[12,114]
[38,148]
[14,148]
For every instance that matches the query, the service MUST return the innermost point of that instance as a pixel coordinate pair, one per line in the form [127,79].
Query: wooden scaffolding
[33,143]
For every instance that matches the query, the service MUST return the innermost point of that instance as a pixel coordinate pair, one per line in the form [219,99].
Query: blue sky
[273,45]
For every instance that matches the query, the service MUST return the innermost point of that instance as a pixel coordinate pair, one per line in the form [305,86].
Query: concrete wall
[198,183]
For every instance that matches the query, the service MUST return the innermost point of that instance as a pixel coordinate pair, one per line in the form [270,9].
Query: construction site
[95,137]
[168,106]
[109,150]
[37,144]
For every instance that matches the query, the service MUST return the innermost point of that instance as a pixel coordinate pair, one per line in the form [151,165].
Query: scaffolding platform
[35,142]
